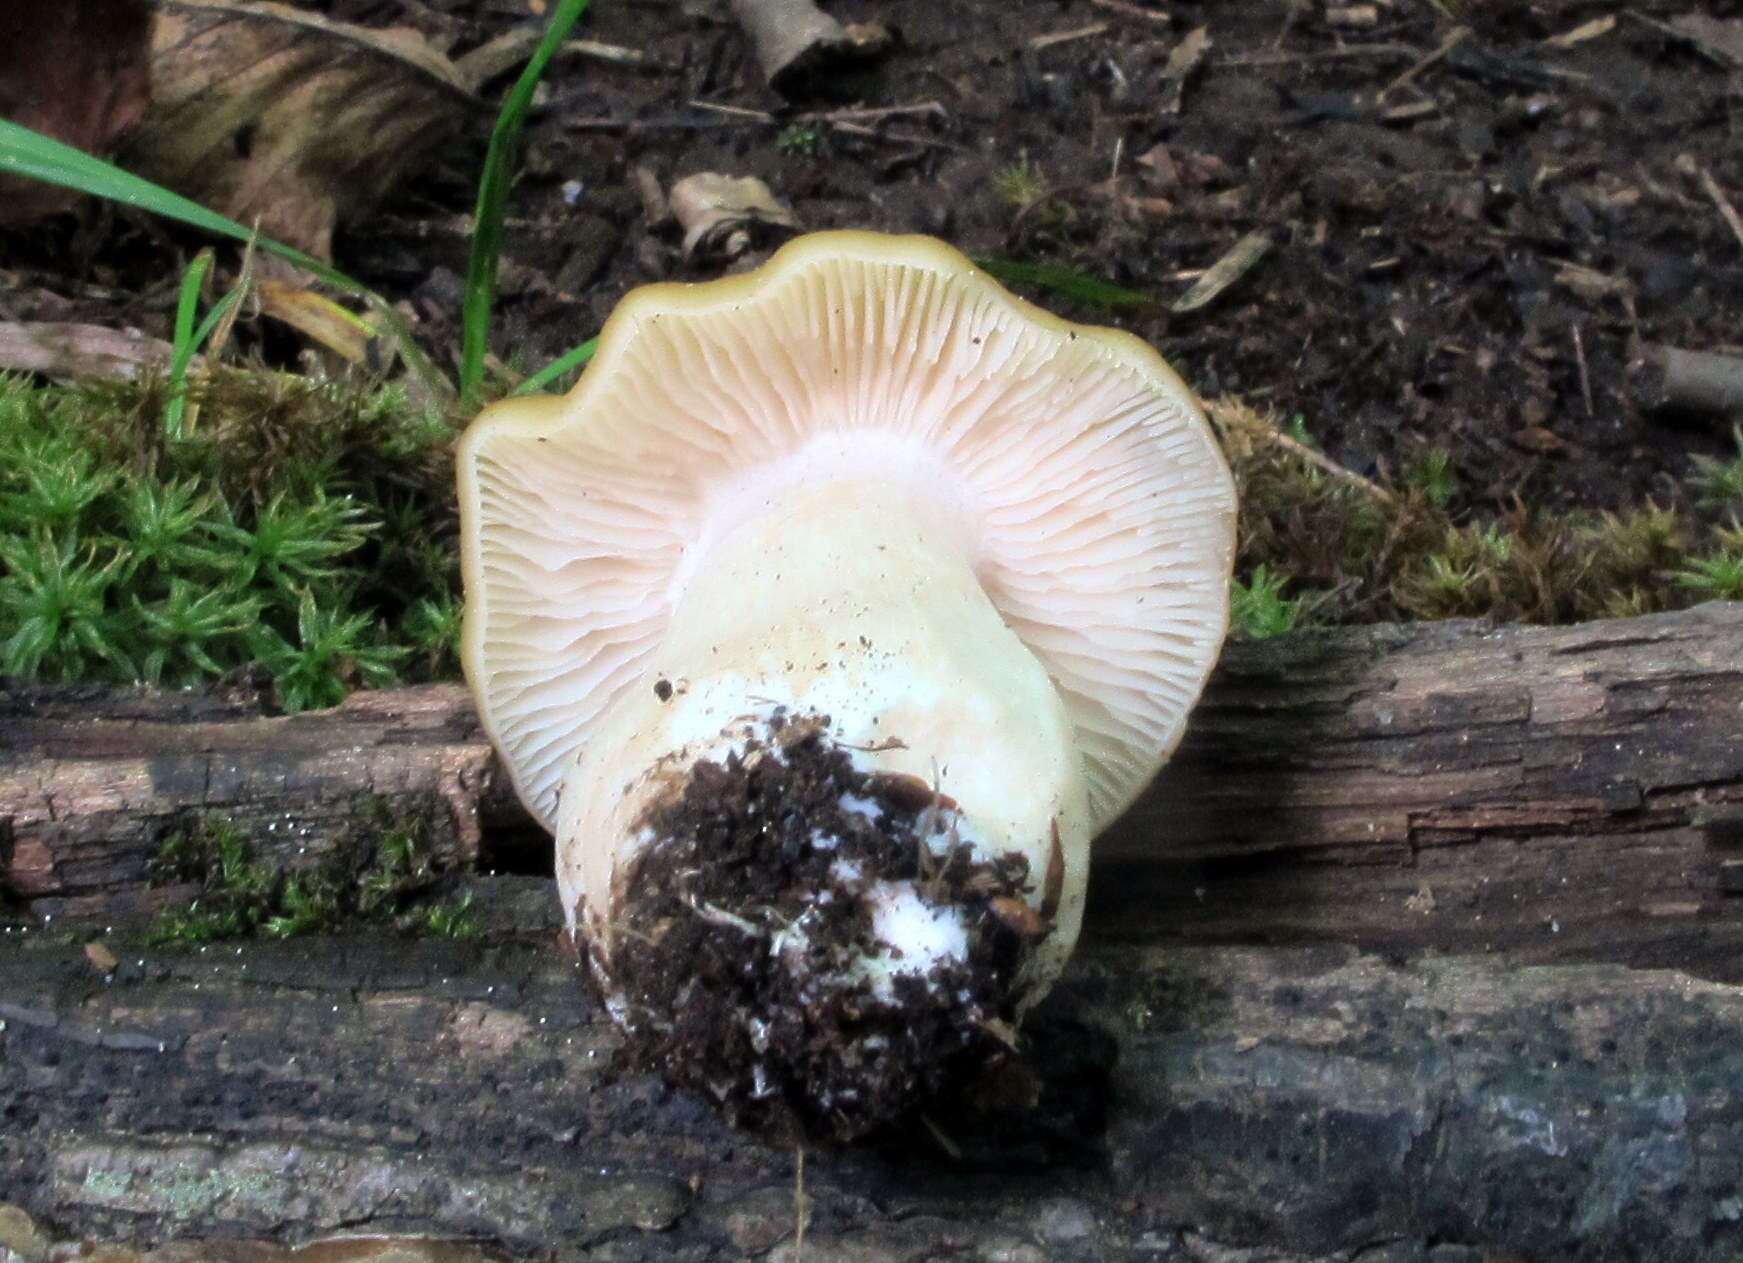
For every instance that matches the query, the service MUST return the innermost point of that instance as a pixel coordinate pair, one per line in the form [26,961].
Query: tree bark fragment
[1313,1101]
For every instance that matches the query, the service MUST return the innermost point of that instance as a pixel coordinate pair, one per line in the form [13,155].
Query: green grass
[1079,287]
[1350,553]
[493,192]
[34,156]
[1258,609]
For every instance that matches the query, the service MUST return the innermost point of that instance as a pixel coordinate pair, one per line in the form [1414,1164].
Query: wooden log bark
[1569,793]
[1315,1102]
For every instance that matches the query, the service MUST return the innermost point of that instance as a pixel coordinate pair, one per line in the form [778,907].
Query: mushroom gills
[837,844]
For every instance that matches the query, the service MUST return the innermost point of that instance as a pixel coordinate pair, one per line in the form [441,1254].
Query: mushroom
[825,622]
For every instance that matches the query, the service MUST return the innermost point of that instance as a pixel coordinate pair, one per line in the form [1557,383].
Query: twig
[1452,40]
[1133,11]
[1325,54]
[1585,376]
[1722,202]
[735,111]
[871,114]
[895,138]
[857,114]
[1330,466]
[1039,42]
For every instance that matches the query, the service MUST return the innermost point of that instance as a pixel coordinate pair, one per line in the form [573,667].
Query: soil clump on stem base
[816,946]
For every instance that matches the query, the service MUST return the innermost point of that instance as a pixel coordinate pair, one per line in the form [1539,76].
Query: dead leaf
[1159,163]
[78,71]
[101,958]
[1187,56]
[343,332]
[1236,263]
[1537,439]
[279,117]
[718,212]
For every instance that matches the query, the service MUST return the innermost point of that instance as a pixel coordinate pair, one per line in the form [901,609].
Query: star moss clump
[303,530]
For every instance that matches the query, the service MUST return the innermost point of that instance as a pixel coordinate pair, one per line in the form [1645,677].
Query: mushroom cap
[1095,507]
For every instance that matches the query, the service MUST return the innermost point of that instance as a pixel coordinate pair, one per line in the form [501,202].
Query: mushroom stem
[839,743]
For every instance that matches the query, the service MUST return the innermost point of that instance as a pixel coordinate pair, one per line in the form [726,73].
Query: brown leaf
[101,958]
[1535,438]
[1159,163]
[75,70]
[1236,262]
[717,212]
[279,117]
[1185,59]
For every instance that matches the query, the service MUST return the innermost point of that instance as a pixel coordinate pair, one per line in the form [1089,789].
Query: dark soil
[1460,261]
[739,965]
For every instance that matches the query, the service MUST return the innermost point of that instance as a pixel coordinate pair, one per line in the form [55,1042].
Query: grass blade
[1091,291]
[27,153]
[573,358]
[182,348]
[493,189]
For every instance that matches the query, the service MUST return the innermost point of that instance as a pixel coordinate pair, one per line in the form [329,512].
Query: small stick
[1324,54]
[1065,37]
[799,1206]
[736,111]
[1585,377]
[1331,467]
[1454,37]
[610,54]
[857,114]
[1723,203]
[897,138]
[1132,11]
[871,114]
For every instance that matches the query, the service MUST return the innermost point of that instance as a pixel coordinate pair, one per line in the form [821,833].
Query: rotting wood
[1571,793]
[1311,1101]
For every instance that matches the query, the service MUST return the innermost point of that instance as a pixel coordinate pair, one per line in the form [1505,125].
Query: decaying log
[1569,793]
[1315,1101]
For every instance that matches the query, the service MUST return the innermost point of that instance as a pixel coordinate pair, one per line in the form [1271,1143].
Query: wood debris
[1183,62]
[794,40]
[1236,263]
[719,213]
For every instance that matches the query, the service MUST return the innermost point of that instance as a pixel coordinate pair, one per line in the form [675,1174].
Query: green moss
[306,529]
[382,871]
[1019,185]
[1258,608]
[1352,552]
[1718,484]
[797,140]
